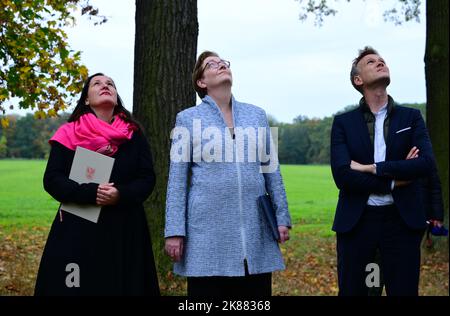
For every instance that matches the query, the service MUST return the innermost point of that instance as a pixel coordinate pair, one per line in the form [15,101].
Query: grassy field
[26,212]
[312,197]
[23,201]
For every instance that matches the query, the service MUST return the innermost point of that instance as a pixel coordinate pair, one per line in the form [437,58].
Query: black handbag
[265,204]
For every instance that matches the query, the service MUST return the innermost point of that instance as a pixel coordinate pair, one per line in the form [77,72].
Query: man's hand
[401,183]
[107,194]
[413,153]
[436,223]
[354,165]
[174,247]
[363,168]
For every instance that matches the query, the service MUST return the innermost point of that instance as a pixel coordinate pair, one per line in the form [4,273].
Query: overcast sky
[279,63]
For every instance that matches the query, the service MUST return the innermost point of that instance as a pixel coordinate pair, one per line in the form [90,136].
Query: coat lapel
[363,132]
[393,126]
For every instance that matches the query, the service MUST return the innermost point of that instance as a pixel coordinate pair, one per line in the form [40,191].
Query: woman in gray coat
[215,231]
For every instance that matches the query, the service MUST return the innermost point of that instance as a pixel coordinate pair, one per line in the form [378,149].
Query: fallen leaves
[311,267]
[20,253]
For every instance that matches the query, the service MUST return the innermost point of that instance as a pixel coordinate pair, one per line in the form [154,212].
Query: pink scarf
[94,134]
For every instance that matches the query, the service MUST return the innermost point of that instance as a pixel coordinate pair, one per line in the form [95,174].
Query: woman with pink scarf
[113,256]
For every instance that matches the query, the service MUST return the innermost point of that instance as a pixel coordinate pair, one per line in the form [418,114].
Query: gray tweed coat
[212,200]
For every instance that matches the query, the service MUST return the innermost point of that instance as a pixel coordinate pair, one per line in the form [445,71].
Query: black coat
[114,256]
[432,196]
[350,140]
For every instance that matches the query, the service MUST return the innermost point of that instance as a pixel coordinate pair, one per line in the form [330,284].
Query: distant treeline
[304,141]
[307,140]
[27,137]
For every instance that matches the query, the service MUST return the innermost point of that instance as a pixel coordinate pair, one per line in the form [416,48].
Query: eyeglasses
[216,64]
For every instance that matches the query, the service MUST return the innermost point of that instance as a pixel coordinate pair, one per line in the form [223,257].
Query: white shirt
[379,154]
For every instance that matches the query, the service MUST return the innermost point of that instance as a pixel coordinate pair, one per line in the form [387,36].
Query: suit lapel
[393,126]
[364,133]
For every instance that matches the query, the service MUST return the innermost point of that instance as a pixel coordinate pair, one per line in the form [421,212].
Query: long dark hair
[82,108]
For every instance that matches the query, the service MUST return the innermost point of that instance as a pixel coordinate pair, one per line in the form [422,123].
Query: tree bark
[164,57]
[436,75]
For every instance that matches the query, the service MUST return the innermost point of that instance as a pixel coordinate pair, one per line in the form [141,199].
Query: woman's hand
[107,194]
[284,234]
[174,247]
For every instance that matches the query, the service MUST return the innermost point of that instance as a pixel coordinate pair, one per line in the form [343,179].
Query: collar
[208,100]
[389,106]
[382,111]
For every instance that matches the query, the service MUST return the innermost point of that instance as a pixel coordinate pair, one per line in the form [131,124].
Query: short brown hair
[197,74]
[368,50]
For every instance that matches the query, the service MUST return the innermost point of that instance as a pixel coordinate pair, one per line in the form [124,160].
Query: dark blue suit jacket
[350,140]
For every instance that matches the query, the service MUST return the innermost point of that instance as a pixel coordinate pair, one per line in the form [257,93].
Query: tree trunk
[436,75]
[164,57]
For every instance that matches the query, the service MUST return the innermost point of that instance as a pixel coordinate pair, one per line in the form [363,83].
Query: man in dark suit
[379,152]
[434,209]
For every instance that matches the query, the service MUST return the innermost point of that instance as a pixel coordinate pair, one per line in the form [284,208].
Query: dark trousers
[250,285]
[382,228]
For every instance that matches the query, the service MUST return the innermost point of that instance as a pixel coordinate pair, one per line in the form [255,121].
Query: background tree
[9,133]
[37,68]
[3,148]
[293,143]
[436,66]
[26,137]
[164,56]
[23,138]
[436,75]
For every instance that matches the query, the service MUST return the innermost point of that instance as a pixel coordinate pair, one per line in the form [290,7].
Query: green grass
[23,201]
[27,211]
[312,197]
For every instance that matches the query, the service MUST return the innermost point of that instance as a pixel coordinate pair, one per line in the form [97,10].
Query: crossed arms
[352,176]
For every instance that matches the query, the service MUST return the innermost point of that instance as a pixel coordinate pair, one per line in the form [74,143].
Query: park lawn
[23,201]
[27,211]
[312,197]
